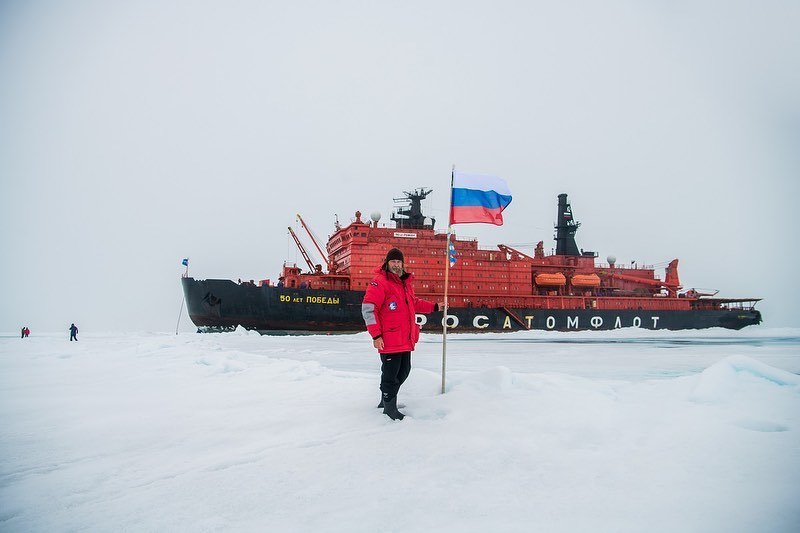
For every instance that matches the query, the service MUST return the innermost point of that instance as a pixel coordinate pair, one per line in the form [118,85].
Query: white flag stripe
[480,182]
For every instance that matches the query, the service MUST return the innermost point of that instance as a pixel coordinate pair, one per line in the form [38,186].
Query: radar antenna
[410,215]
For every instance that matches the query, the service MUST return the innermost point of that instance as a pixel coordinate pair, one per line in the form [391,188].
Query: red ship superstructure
[504,277]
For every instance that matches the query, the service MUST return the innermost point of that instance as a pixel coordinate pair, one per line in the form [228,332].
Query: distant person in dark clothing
[73,333]
[23,333]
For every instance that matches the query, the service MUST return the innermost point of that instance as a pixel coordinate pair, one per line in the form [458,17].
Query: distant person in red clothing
[25,331]
[73,333]
[389,310]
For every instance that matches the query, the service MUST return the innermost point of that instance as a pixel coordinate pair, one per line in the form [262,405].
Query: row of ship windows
[479,275]
[438,262]
[478,287]
[452,286]
[336,242]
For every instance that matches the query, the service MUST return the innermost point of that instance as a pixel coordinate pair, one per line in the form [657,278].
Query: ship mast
[411,217]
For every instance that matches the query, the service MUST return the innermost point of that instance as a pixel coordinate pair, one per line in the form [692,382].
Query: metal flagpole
[179,317]
[185,275]
[447,281]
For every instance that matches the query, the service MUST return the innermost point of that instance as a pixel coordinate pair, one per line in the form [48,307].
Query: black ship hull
[222,305]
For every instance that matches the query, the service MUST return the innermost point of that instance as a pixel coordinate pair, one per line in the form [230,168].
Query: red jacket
[390,309]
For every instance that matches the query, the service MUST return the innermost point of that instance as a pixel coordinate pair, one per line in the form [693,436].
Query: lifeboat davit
[585,280]
[554,280]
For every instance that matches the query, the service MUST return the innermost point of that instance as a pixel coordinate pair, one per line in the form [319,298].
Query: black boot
[390,409]
[380,405]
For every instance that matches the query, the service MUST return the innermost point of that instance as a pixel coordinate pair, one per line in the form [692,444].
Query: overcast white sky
[133,134]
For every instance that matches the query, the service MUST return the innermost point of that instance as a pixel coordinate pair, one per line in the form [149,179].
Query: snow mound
[730,375]
[220,365]
[497,379]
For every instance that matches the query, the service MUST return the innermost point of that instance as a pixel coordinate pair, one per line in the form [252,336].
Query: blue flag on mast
[452,255]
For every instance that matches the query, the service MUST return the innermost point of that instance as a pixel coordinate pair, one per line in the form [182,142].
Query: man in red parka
[389,311]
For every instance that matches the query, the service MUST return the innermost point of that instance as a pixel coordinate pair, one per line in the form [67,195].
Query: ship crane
[511,251]
[672,282]
[321,253]
[644,281]
[302,250]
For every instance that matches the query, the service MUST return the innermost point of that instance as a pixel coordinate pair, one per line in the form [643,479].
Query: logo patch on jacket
[392,306]
[373,283]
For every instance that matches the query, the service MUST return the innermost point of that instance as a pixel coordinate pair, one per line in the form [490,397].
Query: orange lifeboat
[556,279]
[585,280]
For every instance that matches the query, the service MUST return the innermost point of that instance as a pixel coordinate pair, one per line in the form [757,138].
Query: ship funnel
[565,228]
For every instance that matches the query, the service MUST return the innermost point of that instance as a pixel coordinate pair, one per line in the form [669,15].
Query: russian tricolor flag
[478,198]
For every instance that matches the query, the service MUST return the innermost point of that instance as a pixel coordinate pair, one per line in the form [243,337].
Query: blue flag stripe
[487,199]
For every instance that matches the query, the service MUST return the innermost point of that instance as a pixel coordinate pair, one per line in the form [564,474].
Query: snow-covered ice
[624,431]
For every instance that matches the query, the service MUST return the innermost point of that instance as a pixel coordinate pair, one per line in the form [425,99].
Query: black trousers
[395,368]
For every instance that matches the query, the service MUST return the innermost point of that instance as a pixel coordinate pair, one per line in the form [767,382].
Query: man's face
[396,266]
